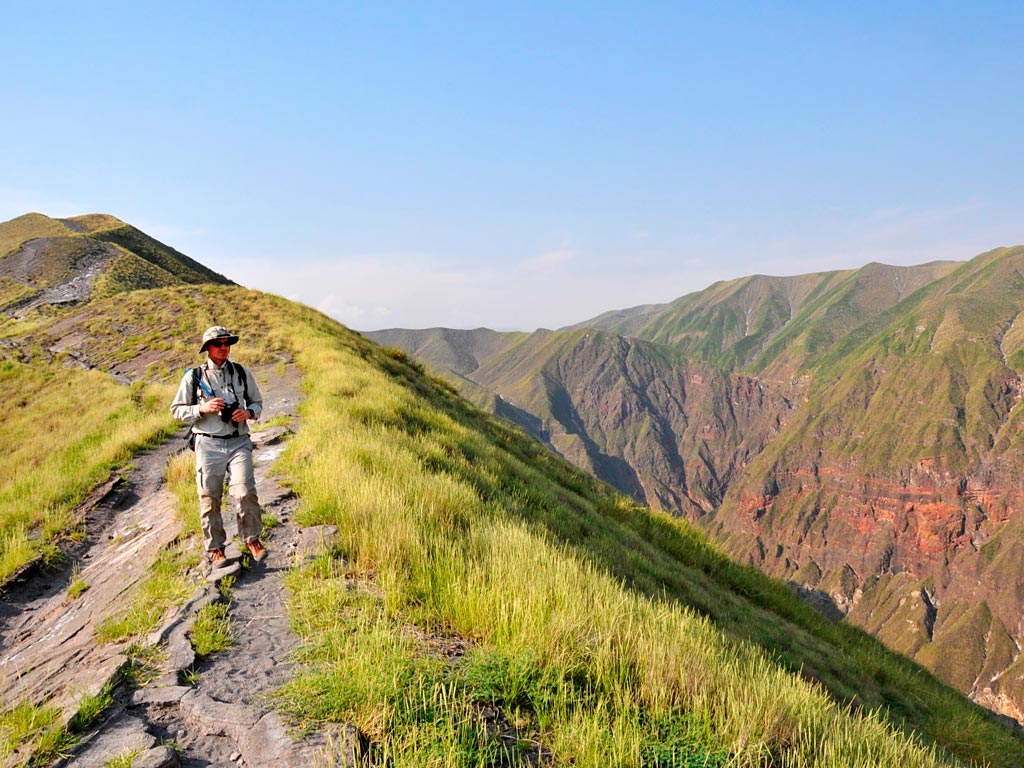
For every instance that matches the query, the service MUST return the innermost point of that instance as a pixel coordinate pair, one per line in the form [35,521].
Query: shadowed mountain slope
[870,452]
[668,431]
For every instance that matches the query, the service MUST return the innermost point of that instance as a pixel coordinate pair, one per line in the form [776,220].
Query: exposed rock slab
[124,734]
[49,650]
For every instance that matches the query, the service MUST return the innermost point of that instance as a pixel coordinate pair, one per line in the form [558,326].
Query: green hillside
[935,497]
[602,633]
[858,433]
[456,350]
[773,326]
[47,262]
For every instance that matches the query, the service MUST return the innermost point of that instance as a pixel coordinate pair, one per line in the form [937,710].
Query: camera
[226,412]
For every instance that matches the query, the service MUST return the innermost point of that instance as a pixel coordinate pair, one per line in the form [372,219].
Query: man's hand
[241,415]
[213,405]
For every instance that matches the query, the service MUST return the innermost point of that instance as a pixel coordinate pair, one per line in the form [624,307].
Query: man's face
[218,350]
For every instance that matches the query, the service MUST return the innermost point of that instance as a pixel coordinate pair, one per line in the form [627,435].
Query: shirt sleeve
[182,407]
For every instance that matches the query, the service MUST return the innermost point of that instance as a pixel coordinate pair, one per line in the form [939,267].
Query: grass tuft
[212,630]
[165,585]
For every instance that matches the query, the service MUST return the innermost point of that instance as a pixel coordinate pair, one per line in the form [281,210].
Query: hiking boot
[217,558]
[256,549]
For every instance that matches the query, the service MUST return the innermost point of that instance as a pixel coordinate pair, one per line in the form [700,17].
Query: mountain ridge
[45,261]
[478,578]
[831,496]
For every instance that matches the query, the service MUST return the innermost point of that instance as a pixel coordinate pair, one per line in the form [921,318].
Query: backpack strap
[235,369]
[239,371]
[196,373]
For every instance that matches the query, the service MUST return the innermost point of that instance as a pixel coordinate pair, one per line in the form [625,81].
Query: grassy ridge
[464,528]
[16,231]
[131,259]
[487,599]
[161,256]
[773,325]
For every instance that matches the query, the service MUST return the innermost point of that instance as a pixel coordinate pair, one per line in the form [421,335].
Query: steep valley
[856,433]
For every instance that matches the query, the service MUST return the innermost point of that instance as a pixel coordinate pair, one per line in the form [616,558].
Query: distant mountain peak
[48,261]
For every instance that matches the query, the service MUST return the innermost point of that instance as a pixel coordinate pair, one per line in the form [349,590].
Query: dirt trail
[49,651]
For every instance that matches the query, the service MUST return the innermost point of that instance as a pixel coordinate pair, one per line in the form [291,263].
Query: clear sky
[518,165]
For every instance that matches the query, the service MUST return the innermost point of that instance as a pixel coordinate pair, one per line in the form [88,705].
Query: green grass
[77,587]
[42,479]
[180,477]
[586,629]
[281,420]
[91,708]
[142,665]
[32,225]
[37,734]
[167,582]
[165,585]
[164,258]
[128,272]
[125,759]
[211,632]
[465,527]
[11,291]
[33,730]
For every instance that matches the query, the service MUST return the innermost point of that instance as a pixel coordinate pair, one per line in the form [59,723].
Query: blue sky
[520,165]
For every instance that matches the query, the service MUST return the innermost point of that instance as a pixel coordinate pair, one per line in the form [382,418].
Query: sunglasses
[218,344]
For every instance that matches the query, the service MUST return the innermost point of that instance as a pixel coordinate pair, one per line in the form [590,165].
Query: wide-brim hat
[217,332]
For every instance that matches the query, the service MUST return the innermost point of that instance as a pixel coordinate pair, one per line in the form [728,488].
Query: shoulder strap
[196,373]
[240,372]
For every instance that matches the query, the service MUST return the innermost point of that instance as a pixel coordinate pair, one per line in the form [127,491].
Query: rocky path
[197,712]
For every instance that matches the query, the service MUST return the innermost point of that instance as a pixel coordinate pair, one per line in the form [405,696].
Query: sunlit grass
[65,431]
[211,631]
[590,631]
[180,476]
[166,584]
[455,528]
[78,585]
[125,759]
[33,730]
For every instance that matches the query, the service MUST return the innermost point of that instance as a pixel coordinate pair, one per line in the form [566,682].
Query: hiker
[218,399]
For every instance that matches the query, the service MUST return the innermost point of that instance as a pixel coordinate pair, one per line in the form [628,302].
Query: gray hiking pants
[232,457]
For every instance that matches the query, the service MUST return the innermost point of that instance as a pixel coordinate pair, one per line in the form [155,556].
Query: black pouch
[190,440]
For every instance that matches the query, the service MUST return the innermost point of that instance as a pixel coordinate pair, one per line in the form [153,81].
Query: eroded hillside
[857,433]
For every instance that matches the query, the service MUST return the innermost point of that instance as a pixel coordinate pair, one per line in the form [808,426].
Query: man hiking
[218,399]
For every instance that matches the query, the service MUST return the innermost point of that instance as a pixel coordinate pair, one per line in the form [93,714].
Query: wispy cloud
[549,259]
[416,291]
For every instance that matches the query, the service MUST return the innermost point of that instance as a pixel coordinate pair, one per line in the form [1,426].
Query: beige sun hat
[217,332]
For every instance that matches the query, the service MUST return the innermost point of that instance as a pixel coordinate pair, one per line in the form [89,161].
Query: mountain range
[473,598]
[857,433]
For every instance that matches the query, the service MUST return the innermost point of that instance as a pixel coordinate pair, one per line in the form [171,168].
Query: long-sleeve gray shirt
[222,384]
